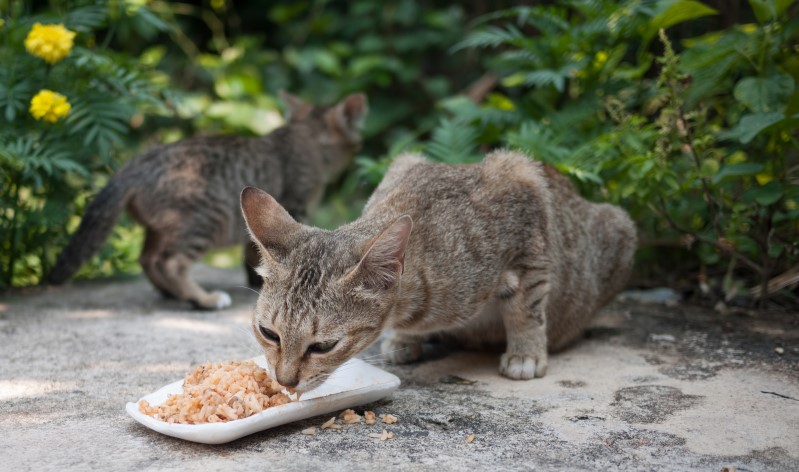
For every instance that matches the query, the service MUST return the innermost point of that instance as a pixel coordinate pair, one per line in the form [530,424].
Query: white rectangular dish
[354,383]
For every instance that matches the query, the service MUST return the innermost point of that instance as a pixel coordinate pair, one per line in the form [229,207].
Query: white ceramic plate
[354,383]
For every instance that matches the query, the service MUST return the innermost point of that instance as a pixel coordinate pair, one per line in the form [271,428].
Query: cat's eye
[270,335]
[321,348]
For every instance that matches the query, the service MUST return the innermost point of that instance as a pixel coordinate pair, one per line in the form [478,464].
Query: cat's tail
[99,219]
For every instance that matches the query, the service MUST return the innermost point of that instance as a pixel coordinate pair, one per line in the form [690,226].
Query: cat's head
[326,294]
[337,128]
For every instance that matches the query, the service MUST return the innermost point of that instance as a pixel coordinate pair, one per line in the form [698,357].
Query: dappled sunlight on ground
[88,315]
[162,367]
[188,324]
[14,389]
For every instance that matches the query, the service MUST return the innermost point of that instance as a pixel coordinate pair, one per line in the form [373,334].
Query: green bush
[699,146]
[693,130]
[67,109]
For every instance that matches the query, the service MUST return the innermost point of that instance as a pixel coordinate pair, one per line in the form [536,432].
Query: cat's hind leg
[176,271]
[150,261]
[523,300]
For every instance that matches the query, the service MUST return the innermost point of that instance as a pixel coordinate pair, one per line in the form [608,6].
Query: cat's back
[206,152]
[504,180]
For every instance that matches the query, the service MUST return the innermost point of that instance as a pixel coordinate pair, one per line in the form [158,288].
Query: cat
[503,251]
[186,194]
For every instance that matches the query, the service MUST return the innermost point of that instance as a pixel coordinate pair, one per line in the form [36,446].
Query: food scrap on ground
[331,424]
[351,418]
[469,438]
[309,431]
[219,392]
[385,435]
[388,418]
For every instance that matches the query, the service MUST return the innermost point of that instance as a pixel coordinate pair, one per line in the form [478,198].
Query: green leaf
[765,94]
[737,170]
[782,5]
[751,125]
[327,62]
[766,10]
[766,195]
[708,254]
[677,11]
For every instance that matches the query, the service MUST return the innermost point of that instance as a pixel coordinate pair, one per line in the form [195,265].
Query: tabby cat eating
[504,251]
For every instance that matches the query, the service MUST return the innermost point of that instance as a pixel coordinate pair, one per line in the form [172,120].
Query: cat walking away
[186,194]
[504,251]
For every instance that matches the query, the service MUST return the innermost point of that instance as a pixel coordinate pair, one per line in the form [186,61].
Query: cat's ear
[382,264]
[296,108]
[349,115]
[271,227]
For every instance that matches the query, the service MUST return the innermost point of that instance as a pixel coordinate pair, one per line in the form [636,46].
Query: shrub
[700,146]
[67,107]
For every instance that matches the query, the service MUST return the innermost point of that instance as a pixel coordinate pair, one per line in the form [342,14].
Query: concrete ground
[650,388]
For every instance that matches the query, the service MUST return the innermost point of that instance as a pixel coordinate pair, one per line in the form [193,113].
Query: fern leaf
[490,37]
[453,142]
[86,19]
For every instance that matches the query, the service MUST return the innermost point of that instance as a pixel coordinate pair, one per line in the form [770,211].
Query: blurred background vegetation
[684,112]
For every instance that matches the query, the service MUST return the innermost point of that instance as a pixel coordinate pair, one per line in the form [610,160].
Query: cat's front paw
[522,366]
[399,350]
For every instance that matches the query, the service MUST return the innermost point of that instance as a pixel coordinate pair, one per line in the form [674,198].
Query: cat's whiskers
[381,357]
[249,288]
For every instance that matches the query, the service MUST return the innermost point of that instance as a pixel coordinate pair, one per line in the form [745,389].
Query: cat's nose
[288,382]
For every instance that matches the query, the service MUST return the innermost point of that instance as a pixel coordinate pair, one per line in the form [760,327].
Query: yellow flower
[50,42]
[49,106]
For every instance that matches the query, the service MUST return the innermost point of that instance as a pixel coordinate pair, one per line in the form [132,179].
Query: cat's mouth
[309,384]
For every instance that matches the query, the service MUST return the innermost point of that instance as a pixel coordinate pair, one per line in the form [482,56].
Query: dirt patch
[572,383]
[650,403]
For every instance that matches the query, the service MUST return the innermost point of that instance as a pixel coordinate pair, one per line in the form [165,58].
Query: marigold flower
[49,106]
[50,42]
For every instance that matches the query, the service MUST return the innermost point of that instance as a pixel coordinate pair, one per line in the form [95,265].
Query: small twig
[780,395]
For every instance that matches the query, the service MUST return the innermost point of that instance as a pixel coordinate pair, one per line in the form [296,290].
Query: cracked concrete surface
[651,387]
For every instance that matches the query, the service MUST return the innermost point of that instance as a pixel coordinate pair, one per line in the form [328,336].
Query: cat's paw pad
[399,351]
[521,367]
[223,300]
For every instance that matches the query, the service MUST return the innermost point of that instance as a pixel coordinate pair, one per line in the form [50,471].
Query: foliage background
[693,132]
